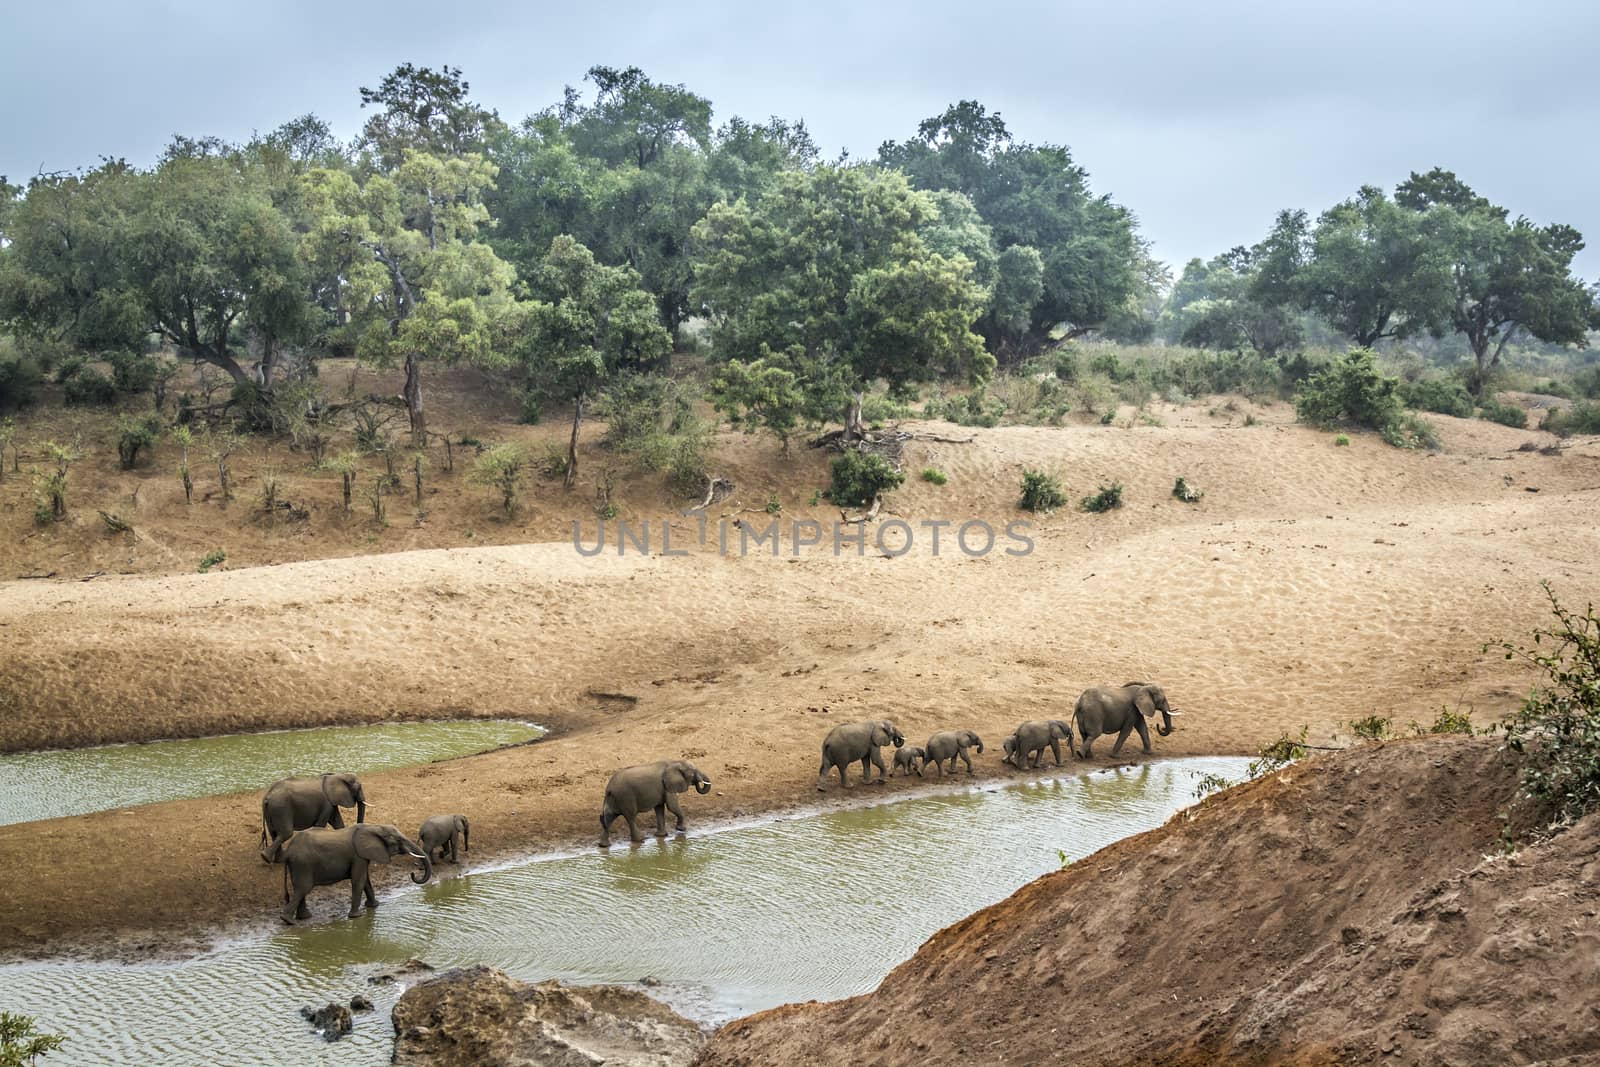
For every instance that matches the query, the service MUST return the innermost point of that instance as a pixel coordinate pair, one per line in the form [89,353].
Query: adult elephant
[1031,739]
[325,857]
[1107,710]
[292,804]
[649,785]
[952,745]
[854,741]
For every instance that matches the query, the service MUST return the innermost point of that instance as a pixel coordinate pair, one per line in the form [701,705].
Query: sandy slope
[1313,584]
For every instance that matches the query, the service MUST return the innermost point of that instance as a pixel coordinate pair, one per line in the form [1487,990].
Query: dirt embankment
[1352,909]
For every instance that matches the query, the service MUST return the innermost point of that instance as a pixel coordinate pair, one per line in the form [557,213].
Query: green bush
[1442,396]
[532,406]
[1586,383]
[1041,491]
[500,468]
[879,408]
[1581,417]
[1342,440]
[1186,492]
[976,408]
[1411,431]
[1505,414]
[1350,391]
[1556,733]
[1107,498]
[934,475]
[1066,365]
[1447,722]
[211,559]
[860,477]
[131,372]
[88,387]
[19,378]
[22,1043]
[1371,728]
[134,435]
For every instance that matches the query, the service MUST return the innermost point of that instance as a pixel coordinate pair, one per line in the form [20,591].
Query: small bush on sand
[1411,431]
[135,434]
[1442,396]
[88,387]
[1186,492]
[1582,417]
[1505,414]
[1041,491]
[500,468]
[50,487]
[1448,722]
[860,477]
[1274,757]
[211,559]
[1350,391]
[934,475]
[1107,498]
[1371,728]
[1342,440]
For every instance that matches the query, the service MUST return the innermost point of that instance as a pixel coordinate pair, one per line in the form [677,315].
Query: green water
[45,785]
[730,921]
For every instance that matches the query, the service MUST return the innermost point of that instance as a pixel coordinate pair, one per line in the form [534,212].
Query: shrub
[774,505]
[131,372]
[976,408]
[1274,757]
[135,435]
[1556,733]
[347,464]
[500,468]
[1582,417]
[88,387]
[254,408]
[50,487]
[1505,414]
[1186,492]
[1371,728]
[860,477]
[1447,722]
[1586,383]
[934,475]
[21,1042]
[1350,391]
[1411,431]
[1066,365]
[532,406]
[879,408]
[1041,491]
[1108,497]
[552,461]
[1442,396]
[211,559]
[19,378]
[1342,440]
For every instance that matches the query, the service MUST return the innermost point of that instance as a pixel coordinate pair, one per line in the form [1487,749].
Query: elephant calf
[908,759]
[1031,738]
[1105,710]
[324,857]
[650,785]
[854,741]
[952,745]
[439,835]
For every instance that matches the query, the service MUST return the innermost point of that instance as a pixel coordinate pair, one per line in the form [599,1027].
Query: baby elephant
[438,835]
[908,759]
[951,745]
[650,785]
[1032,738]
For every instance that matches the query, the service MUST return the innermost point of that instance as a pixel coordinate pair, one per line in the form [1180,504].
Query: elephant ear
[1142,701]
[371,846]
[881,734]
[337,789]
[674,779]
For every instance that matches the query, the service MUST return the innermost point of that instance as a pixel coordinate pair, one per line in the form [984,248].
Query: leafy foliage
[212,559]
[1271,759]
[1185,492]
[860,477]
[1505,414]
[1443,396]
[1581,417]
[934,476]
[760,396]
[1350,392]
[135,434]
[1041,491]
[21,1043]
[1105,498]
[500,468]
[1372,728]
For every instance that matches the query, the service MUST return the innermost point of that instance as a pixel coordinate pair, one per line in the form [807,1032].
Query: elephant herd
[302,828]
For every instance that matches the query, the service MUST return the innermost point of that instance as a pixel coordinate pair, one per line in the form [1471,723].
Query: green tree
[762,396]
[830,268]
[587,323]
[427,111]
[21,1043]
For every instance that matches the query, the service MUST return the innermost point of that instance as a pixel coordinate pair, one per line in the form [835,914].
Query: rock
[332,1021]
[360,1003]
[650,980]
[409,967]
[480,1016]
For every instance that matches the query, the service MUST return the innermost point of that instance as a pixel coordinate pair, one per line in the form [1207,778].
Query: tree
[1504,276]
[830,268]
[414,273]
[1213,306]
[587,323]
[427,111]
[762,396]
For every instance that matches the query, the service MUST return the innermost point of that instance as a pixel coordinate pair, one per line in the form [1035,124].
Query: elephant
[950,745]
[292,804]
[1105,710]
[439,834]
[324,857]
[1031,739]
[857,741]
[649,785]
[908,759]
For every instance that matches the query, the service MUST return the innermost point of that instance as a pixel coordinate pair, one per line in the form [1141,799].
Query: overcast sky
[1204,118]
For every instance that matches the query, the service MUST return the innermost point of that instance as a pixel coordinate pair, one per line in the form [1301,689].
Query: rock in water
[332,1020]
[478,1016]
[360,1003]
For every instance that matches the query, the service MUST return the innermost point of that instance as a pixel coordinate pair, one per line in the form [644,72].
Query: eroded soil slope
[1352,909]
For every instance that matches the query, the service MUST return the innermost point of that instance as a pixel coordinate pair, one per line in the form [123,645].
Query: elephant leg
[1087,744]
[372,898]
[822,773]
[358,885]
[1144,734]
[661,819]
[964,759]
[1127,729]
[1055,750]
[294,905]
[633,829]
[607,817]
[677,812]
[336,820]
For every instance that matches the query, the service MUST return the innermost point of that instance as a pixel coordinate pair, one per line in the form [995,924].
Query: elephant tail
[263,822]
[286,881]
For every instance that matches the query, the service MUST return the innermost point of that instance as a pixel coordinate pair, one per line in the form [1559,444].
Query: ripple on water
[730,922]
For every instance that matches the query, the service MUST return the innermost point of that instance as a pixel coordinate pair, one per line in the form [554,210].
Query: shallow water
[730,921]
[45,785]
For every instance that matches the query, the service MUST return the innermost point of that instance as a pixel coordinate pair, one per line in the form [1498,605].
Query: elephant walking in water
[1032,738]
[1105,710]
[439,834]
[854,741]
[292,804]
[952,745]
[325,857]
[650,785]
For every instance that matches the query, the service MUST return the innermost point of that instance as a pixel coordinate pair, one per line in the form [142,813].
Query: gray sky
[1203,118]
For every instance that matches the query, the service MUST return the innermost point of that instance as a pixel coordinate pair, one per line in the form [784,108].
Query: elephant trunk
[703,786]
[1165,726]
[466,837]
[361,809]
[427,866]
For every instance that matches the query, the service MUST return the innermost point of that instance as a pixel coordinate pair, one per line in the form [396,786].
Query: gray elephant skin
[952,745]
[440,833]
[908,759]
[854,741]
[649,785]
[1031,738]
[292,804]
[1120,711]
[325,857]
